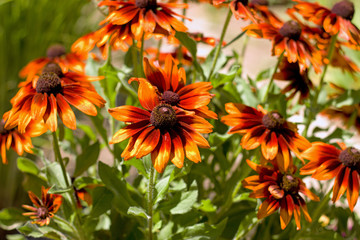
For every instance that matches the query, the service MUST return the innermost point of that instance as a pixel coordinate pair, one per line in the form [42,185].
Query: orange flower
[20,142]
[165,131]
[268,129]
[298,81]
[145,16]
[281,191]
[50,94]
[334,21]
[288,38]
[55,53]
[239,8]
[327,162]
[171,87]
[45,208]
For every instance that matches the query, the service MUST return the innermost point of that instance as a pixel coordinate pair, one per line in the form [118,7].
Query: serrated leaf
[26,165]
[87,158]
[187,200]
[137,211]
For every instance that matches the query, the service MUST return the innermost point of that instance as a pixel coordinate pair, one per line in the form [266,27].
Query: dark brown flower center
[56,50]
[163,117]
[260,2]
[291,29]
[2,129]
[42,212]
[350,157]
[289,184]
[148,4]
[54,68]
[171,98]
[48,83]
[273,120]
[344,9]
[244,2]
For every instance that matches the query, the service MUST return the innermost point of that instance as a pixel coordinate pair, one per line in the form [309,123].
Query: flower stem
[272,77]
[142,73]
[218,49]
[68,185]
[313,111]
[73,229]
[150,201]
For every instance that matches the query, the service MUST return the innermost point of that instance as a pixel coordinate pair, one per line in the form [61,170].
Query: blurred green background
[27,28]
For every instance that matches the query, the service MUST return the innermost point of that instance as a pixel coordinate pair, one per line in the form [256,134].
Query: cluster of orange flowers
[173,114]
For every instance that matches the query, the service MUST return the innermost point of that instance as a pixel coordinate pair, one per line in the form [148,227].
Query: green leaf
[187,200]
[15,237]
[54,190]
[102,198]
[221,61]
[137,211]
[98,123]
[205,231]
[139,165]
[166,231]
[11,218]
[190,44]
[161,188]
[55,175]
[207,206]
[88,131]
[32,230]
[82,182]
[26,165]
[248,222]
[113,180]
[87,158]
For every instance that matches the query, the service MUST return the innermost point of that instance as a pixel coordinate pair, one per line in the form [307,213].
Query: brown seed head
[290,184]
[350,157]
[171,98]
[163,116]
[260,2]
[344,9]
[42,212]
[273,120]
[291,29]
[56,50]
[48,83]
[54,68]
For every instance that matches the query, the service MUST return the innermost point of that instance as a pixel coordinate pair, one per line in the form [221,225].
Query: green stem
[243,50]
[73,229]
[150,201]
[314,102]
[134,59]
[218,49]
[142,73]
[68,185]
[272,77]
[236,38]
[184,11]
[59,158]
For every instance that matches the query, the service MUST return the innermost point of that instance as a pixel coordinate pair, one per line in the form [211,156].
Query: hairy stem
[150,201]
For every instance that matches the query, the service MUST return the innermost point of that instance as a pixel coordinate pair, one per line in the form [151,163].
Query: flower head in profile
[44,208]
[336,20]
[349,115]
[20,142]
[52,94]
[160,129]
[328,162]
[288,38]
[281,190]
[171,88]
[55,54]
[239,8]
[299,82]
[269,130]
